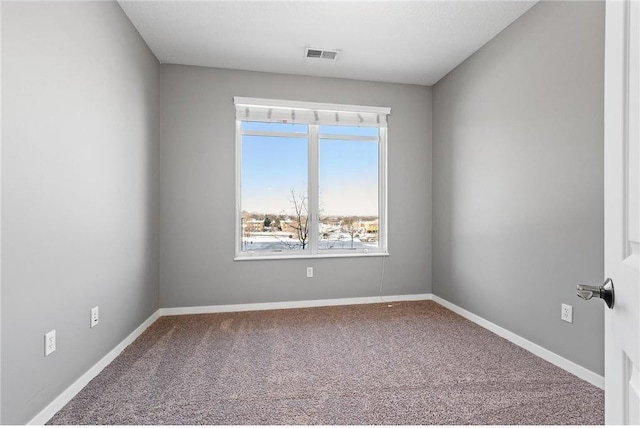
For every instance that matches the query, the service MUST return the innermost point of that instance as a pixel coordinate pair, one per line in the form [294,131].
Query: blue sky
[272,166]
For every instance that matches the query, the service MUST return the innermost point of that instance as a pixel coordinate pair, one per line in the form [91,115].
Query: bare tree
[351,225]
[301,209]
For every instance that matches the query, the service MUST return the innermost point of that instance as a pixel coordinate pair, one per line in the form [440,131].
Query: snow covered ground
[283,241]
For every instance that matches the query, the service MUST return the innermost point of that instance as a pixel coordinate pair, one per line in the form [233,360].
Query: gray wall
[197,214]
[518,179]
[80,136]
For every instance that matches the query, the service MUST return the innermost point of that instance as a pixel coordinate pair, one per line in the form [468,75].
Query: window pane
[348,185]
[362,131]
[274,127]
[274,196]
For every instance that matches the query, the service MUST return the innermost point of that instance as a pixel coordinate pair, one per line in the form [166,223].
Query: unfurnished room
[320,212]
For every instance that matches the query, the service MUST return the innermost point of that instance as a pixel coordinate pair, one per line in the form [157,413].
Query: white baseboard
[61,400]
[190,310]
[545,354]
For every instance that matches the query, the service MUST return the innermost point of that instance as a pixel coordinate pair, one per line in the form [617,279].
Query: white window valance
[282,111]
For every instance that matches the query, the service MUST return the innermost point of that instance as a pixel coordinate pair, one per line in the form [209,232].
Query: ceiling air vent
[321,53]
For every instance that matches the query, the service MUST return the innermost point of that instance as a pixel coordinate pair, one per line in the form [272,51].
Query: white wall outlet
[95,316]
[567,313]
[49,342]
[309,272]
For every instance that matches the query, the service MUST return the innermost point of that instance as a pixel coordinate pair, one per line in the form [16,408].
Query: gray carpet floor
[415,363]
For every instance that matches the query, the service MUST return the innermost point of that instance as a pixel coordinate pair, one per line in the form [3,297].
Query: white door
[622,211]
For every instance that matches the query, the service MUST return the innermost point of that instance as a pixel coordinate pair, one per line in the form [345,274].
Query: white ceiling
[415,42]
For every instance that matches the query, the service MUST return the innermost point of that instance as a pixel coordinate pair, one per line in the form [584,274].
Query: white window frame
[312,250]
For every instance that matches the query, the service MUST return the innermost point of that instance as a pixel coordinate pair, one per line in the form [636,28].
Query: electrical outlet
[309,272]
[567,313]
[49,342]
[95,316]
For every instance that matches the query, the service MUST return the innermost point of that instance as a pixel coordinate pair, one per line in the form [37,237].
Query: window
[311,179]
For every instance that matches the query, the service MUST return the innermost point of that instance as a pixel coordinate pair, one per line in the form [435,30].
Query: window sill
[308,256]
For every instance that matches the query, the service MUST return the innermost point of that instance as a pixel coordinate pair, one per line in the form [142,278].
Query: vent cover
[321,53]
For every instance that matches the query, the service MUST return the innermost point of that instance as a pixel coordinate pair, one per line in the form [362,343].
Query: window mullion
[382,191]
[314,199]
